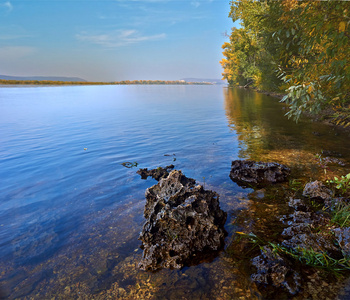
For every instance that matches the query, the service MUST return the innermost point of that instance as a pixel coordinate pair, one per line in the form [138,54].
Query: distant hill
[214,81]
[40,78]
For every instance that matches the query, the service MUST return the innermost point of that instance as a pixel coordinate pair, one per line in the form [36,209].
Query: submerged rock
[331,153]
[157,174]
[333,161]
[248,172]
[184,221]
[276,270]
[297,204]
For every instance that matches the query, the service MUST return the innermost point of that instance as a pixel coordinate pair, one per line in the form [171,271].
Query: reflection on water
[70,218]
[266,134]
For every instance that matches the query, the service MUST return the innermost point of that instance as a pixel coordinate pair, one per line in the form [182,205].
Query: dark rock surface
[157,174]
[308,232]
[301,233]
[331,153]
[317,190]
[333,161]
[276,270]
[298,204]
[248,172]
[342,236]
[302,230]
[184,221]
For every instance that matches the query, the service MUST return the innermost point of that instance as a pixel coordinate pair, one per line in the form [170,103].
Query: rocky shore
[312,237]
[185,225]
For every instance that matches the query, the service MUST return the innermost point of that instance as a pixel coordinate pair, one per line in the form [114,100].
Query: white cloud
[7,5]
[118,38]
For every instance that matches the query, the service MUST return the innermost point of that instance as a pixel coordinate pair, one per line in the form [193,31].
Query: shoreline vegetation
[299,48]
[124,82]
[325,116]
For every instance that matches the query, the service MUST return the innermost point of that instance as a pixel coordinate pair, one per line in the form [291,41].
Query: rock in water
[316,189]
[274,269]
[184,221]
[157,174]
[248,172]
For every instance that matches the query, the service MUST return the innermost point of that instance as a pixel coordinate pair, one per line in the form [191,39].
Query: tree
[307,43]
[246,59]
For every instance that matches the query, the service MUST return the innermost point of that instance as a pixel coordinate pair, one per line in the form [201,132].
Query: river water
[71,213]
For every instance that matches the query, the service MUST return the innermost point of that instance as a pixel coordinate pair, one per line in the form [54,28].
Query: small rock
[331,153]
[342,236]
[299,233]
[248,172]
[296,229]
[316,241]
[273,268]
[333,161]
[297,204]
[157,174]
[316,189]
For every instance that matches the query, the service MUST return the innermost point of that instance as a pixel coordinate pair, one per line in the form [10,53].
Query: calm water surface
[70,212]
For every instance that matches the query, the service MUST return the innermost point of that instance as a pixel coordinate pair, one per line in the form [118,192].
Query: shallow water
[70,212]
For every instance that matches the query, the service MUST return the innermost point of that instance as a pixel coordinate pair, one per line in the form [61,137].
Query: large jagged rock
[184,221]
[271,268]
[252,173]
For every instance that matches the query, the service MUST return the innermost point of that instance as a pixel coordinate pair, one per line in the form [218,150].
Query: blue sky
[107,40]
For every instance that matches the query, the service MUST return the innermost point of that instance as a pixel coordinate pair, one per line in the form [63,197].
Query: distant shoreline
[5,83]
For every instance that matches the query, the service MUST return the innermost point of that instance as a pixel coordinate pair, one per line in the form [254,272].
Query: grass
[295,185]
[254,239]
[341,215]
[305,256]
[313,258]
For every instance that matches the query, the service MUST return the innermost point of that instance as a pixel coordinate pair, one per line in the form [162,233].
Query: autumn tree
[247,59]
[314,53]
[305,43]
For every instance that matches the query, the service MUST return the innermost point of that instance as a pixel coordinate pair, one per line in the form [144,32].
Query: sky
[113,40]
